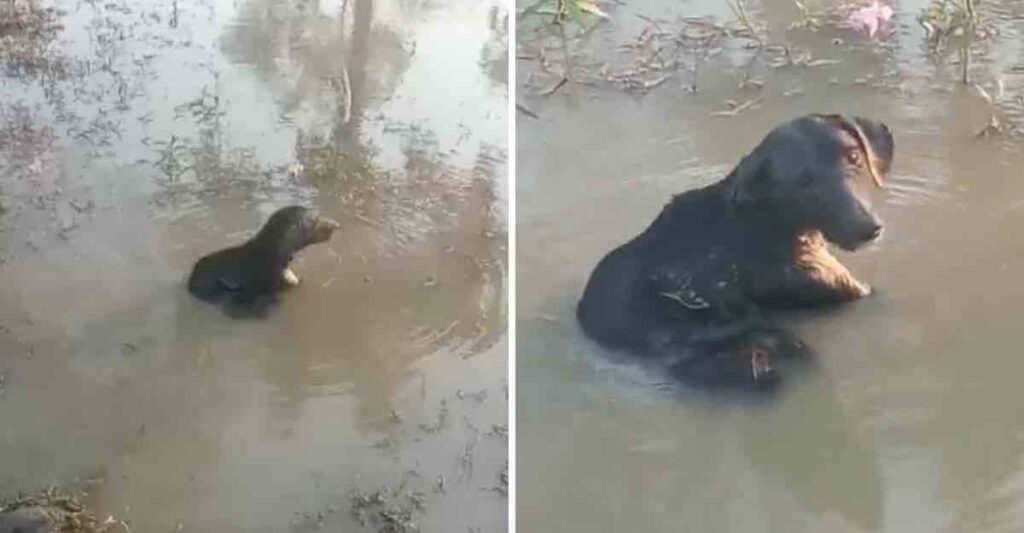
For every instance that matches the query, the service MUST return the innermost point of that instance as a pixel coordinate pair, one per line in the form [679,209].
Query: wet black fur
[244,273]
[693,288]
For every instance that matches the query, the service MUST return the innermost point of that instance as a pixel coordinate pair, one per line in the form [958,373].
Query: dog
[260,265]
[693,288]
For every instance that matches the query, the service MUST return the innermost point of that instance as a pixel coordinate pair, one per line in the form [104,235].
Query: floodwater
[136,137]
[911,421]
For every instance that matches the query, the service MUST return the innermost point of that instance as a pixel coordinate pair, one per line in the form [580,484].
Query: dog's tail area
[595,324]
[590,322]
[204,283]
[582,316]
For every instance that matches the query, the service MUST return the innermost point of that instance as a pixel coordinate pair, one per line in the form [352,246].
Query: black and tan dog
[260,265]
[694,285]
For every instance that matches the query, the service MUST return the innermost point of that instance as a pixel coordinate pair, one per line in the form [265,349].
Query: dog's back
[211,276]
[616,307]
[603,311]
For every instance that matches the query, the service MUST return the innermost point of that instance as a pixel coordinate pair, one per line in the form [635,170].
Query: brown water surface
[138,136]
[912,421]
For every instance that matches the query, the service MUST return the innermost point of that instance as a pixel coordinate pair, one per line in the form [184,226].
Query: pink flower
[869,18]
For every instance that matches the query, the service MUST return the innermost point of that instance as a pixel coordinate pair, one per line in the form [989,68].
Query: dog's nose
[873,232]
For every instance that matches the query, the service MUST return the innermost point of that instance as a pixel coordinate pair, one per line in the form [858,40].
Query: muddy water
[910,422]
[139,136]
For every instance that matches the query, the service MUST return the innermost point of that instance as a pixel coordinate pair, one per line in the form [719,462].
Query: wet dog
[693,287]
[260,266]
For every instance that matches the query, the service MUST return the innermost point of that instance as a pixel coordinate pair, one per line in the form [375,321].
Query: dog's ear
[870,144]
[879,136]
[293,238]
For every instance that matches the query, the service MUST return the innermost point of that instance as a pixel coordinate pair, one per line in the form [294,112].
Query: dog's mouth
[865,238]
[873,241]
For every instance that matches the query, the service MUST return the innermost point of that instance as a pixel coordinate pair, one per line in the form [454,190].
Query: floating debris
[869,19]
[735,109]
[52,510]
[440,423]
[479,396]
[388,511]
[499,431]
[993,128]
[502,486]
[466,458]
[526,112]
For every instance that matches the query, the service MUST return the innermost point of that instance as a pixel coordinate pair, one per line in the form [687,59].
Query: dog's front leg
[820,282]
[288,278]
[826,271]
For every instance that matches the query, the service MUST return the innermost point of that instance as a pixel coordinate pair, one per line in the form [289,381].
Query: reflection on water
[137,138]
[908,423]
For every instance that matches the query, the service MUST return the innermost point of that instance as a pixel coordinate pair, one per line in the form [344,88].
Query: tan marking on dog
[814,258]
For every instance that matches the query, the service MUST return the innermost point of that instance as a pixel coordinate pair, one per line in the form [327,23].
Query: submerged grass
[54,510]
[388,510]
[679,50]
[27,35]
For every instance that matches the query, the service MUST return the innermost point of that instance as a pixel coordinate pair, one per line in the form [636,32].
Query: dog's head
[292,228]
[816,173]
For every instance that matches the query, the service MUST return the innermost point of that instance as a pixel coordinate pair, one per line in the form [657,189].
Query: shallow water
[909,423]
[140,136]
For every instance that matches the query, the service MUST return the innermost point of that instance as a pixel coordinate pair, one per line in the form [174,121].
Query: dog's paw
[861,290]
[289,278]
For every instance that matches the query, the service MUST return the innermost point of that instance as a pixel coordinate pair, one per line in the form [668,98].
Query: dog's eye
[853,156]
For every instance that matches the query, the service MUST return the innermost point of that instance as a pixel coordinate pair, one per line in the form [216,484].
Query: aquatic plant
[576,9]
[944,20]
[565,9]
[747,27]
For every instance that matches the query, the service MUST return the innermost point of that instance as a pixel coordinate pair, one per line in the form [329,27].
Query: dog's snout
[873,232]
[330,224]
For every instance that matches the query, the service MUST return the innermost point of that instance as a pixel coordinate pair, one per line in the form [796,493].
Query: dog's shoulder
[694,213]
